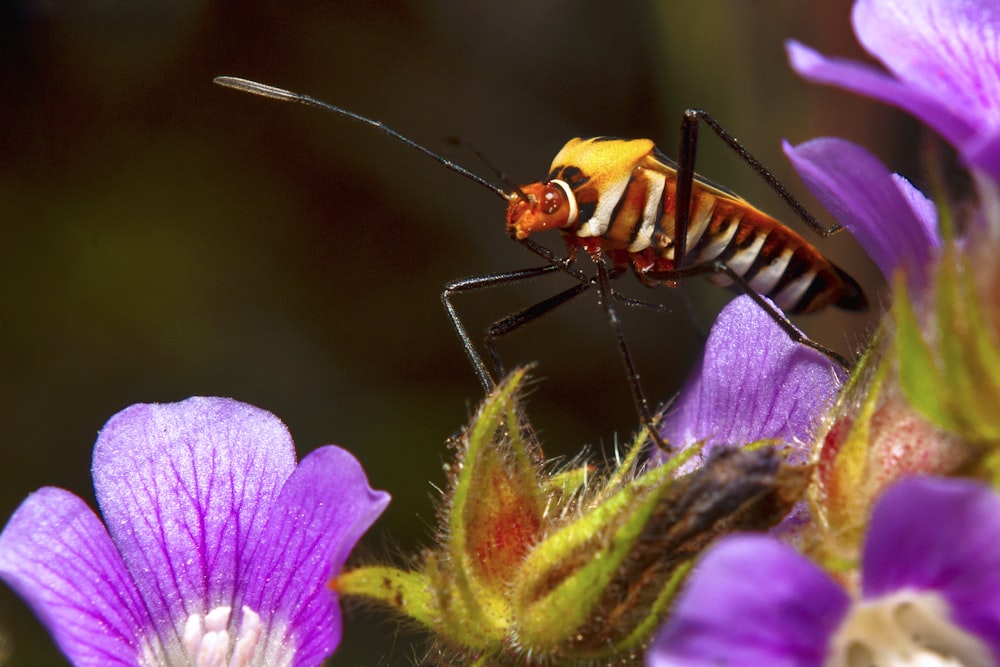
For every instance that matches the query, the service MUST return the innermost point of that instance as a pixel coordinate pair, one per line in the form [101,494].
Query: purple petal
[57,555]
[944,63]
[322,511]
[984,152]
[946,48]
[751,601]
[184,489]
[753,383]
[893,221]
[941,535]
[952,124]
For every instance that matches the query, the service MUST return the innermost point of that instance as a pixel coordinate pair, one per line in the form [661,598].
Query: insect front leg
[476,283]
[525,316]
[515,321]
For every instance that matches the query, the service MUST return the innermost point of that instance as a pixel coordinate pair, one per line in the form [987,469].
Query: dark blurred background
[162,237]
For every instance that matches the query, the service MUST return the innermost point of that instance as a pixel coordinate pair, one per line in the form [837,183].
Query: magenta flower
[217,550]
[930,592]
[943,62]
[753,383]
[892,220]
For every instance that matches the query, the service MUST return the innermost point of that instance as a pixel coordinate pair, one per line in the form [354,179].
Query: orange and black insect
[627,205]
[621,197]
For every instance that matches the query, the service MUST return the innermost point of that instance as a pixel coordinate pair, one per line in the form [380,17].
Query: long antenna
[282,95]
[500,175]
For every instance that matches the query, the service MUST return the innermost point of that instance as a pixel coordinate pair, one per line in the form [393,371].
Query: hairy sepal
[572,566]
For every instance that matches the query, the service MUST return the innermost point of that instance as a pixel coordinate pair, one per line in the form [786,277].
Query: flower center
[208,643]
[905,629]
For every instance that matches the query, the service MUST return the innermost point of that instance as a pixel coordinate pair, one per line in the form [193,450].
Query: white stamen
[905,629]
[207,640]
[218,619]
[213,649]
[246,641]
[193,632]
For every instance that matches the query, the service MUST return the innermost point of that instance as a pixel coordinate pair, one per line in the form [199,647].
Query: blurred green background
[162,237]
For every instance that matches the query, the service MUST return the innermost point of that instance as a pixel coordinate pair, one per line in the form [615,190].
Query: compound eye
[552,199]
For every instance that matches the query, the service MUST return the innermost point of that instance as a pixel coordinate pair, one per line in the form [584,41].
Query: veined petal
[184,488]
[950,49]
[321,513]
[211,538]
[751,601]
[890,218]
[869,81]
[753,383]
[941,535]
[57,555]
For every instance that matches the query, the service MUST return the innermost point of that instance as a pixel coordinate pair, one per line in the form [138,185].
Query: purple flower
[752,383]
[893,221]
[943,62]
[217,550]
[930,592]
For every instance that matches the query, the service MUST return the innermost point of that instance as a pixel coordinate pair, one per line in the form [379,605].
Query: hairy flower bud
[569,567]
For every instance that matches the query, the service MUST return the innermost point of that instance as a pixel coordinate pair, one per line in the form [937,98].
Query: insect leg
[689,125]
[638,395]
[565,265]
[518,319]
[637,303]
[687,151]
[773,311]
[485,282]
[606,294]
[525,316]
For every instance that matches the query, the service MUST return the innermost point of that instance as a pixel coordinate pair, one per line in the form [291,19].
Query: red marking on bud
[504,529]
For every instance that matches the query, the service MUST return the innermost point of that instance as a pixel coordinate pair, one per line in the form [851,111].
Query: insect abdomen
[625,196]
[773,259]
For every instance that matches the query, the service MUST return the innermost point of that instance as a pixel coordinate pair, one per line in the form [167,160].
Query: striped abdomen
[621,194]
[775,261]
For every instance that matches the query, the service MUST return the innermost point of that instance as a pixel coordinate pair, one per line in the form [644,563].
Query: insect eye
[552,199]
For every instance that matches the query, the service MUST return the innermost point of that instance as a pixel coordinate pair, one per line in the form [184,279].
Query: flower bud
[572,566]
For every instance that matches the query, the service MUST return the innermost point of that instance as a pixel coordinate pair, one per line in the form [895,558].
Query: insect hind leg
[718,267]
[686,154]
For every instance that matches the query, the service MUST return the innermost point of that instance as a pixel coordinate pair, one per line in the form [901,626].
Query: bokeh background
[162,237]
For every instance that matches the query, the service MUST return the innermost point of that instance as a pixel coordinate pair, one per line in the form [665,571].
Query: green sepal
[847,465]
[493,515]
[496,492]
[568,482]
[919,375]
[951,374]
[409,593]
[605,536]
[572,567]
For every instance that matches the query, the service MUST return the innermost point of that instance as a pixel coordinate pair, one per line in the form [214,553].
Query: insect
[628,206]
